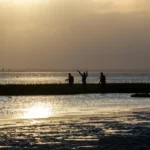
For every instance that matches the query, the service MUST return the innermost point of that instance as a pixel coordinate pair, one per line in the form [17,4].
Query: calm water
[71,122]
[57,106]
[61,106]
[59,77]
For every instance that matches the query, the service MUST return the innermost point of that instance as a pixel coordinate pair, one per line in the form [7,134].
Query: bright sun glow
[25,1]
[38,112]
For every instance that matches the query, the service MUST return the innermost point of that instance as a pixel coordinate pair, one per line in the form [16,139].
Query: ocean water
[24,107]
[73,121]
[59,77]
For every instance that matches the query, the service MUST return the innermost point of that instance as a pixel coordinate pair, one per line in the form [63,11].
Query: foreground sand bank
[112,131]
[64,89]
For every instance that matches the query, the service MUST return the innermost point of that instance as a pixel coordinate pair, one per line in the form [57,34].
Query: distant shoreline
[66,71]
[145,70]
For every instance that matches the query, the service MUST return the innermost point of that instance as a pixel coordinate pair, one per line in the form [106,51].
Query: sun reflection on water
[38,111]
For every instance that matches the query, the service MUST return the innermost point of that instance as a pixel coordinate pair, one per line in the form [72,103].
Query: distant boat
[141,95]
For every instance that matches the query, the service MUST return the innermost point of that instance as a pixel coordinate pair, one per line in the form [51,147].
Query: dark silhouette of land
[64,89]
[141,95]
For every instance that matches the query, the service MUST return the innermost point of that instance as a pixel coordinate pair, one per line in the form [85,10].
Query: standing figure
[84,77]
[70,79]
[102,80]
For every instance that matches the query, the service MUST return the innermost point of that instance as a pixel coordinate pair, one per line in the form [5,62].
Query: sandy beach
[114,131]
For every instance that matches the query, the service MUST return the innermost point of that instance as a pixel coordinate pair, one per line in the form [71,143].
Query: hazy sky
[71,34]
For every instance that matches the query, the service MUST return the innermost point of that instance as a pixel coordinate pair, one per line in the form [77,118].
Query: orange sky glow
[69,34]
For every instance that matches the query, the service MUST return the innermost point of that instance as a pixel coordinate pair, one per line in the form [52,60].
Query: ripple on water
[26,107]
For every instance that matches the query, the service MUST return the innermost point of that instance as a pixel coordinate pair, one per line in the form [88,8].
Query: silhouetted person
[70,79]
[102,80]
[84,77]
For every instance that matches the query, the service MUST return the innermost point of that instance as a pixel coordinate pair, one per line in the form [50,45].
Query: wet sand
[112,131]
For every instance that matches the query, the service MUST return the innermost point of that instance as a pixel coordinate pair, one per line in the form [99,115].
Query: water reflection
[60,106]
[38,111]
[59,77]
[128,131]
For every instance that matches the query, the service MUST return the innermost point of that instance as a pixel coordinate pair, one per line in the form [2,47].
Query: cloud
[118,6]
[75,33]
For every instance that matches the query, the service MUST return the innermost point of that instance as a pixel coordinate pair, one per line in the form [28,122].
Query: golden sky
[62,34]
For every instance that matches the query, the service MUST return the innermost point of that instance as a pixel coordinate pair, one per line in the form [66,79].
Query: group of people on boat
[84,78]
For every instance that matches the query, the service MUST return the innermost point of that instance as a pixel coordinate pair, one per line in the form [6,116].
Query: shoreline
[65,89]
[114,132]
